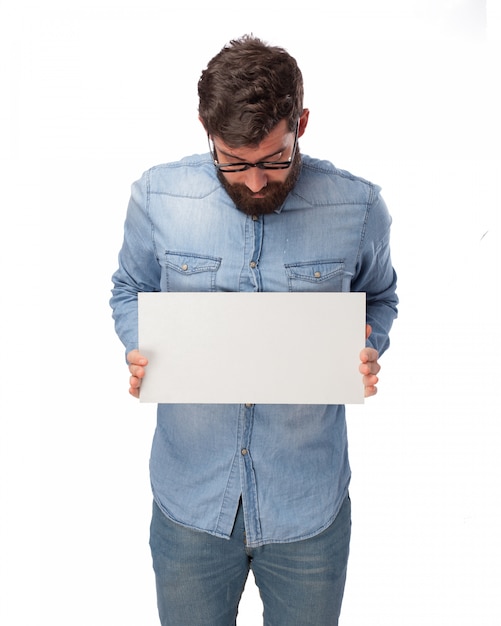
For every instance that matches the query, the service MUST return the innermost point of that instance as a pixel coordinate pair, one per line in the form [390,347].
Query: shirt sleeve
[138,266]
[376,275]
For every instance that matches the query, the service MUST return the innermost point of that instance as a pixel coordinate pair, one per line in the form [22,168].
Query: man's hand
[369,367]
[137,363]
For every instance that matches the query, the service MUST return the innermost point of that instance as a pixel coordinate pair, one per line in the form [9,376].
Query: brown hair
[247,89]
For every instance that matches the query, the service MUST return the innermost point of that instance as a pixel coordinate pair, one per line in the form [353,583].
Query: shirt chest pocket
[325,275]
[184,271]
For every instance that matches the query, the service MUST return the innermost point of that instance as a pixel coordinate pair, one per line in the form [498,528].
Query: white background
[93,93]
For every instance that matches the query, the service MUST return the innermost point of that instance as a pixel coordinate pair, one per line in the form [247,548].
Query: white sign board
[239,347]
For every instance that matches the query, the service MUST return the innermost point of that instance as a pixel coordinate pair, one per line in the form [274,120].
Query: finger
[137,370]
[368,331]
[134,392]
[370,383]
[134,386]
[371,367]
[370,380]
[136,358]
[369,354]
[134,382]
[370,391]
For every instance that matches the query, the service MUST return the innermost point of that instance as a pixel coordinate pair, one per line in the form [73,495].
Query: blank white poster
[269,348]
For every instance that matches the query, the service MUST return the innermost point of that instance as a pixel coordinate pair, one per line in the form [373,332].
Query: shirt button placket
[249,492]
[248,406]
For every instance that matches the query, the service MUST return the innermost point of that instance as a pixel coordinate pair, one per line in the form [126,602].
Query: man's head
[251,105]
[247,89]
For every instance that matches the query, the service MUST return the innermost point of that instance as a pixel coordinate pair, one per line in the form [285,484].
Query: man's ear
[303,121]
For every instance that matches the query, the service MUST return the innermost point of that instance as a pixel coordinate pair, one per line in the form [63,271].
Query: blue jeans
[200,578]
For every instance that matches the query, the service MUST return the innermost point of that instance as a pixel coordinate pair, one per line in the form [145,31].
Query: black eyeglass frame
[241,166]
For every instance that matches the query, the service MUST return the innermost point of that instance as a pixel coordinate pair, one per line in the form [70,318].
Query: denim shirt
[288,463]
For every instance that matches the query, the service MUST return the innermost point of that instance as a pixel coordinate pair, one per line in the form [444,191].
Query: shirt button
[184,267]
[249,405]
[253,264]
[244,451]
[317,274]
[255,218]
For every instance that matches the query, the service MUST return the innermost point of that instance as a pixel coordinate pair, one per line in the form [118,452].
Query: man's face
[258,191]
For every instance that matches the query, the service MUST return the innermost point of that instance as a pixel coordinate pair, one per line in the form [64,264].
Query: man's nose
[255,179]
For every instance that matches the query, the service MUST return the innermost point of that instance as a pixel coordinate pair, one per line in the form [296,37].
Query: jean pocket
[324,275]
[185,271]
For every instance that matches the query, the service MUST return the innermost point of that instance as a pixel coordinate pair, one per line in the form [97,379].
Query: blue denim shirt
[288,463]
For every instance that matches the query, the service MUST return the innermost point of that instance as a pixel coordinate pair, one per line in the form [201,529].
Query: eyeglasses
[241,166]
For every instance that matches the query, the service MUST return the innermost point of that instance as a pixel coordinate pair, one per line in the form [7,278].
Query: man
[252,486]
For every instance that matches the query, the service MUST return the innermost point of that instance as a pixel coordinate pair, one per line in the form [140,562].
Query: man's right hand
[137,363]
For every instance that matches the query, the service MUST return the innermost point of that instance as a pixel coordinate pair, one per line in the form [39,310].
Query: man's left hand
[369,368]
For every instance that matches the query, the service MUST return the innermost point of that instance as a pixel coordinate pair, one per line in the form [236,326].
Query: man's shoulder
[189,162]
[325,178]
[191,175]
[322,167]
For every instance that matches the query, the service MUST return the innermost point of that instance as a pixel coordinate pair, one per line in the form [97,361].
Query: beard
[274,193]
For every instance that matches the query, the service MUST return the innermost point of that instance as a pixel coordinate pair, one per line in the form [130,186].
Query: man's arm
[138,267]
[376,277]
